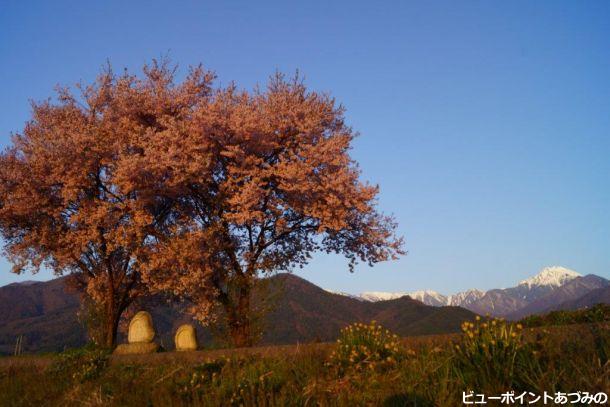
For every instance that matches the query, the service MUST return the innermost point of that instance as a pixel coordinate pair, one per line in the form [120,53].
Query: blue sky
[486,124]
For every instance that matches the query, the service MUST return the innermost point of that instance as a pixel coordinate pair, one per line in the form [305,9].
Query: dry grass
[425,370]
[571,332]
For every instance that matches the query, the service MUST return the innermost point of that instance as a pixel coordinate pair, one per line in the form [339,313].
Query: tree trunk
[111,325]
[113,314]
[239,322]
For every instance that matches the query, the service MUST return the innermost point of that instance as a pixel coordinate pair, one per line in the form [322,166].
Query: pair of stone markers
[142,332]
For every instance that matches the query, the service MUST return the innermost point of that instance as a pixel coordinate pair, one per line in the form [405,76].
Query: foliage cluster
[365,346]
[489,352]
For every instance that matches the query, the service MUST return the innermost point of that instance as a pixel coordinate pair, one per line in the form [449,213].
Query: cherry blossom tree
[66,197]
[262,180]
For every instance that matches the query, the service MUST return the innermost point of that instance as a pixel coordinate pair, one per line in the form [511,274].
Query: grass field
[369,366]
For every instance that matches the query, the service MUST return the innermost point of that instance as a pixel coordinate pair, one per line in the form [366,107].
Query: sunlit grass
[368,365]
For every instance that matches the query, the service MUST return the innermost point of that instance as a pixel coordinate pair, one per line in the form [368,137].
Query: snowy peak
[465,297]
[429,297]
[553,276]
[343,293]
[531,289]
[375,296]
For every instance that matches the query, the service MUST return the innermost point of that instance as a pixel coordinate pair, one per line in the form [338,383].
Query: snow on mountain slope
[356,297]
[465,297]
[429,297]
[374,296]
[553,276]
[498,301]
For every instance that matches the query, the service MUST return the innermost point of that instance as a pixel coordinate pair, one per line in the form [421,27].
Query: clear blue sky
[486,124]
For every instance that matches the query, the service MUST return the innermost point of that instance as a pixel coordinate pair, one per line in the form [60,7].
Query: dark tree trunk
[117,301]
[111,324]
[239,318]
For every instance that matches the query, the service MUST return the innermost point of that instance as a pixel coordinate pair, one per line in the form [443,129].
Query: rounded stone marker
[186,338]
[141,328]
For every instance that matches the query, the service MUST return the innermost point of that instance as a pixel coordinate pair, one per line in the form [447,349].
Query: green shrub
[362,346]
[488,353]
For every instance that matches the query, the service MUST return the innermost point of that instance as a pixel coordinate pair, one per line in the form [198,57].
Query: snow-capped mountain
[429,297]
[553,276]
[343,293]
[541,291]
[547,280]
[375,296]
[461,299]
[465,298]
[574,289]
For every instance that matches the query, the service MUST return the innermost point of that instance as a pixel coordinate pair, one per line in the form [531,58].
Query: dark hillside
[301,312]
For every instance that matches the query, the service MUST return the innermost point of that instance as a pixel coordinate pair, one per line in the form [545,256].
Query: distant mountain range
[551,289]
[46,315]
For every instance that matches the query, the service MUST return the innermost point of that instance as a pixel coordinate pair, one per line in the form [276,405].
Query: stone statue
[186,338]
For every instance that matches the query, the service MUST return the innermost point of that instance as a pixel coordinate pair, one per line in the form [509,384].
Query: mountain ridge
[46,315]
[536,294]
